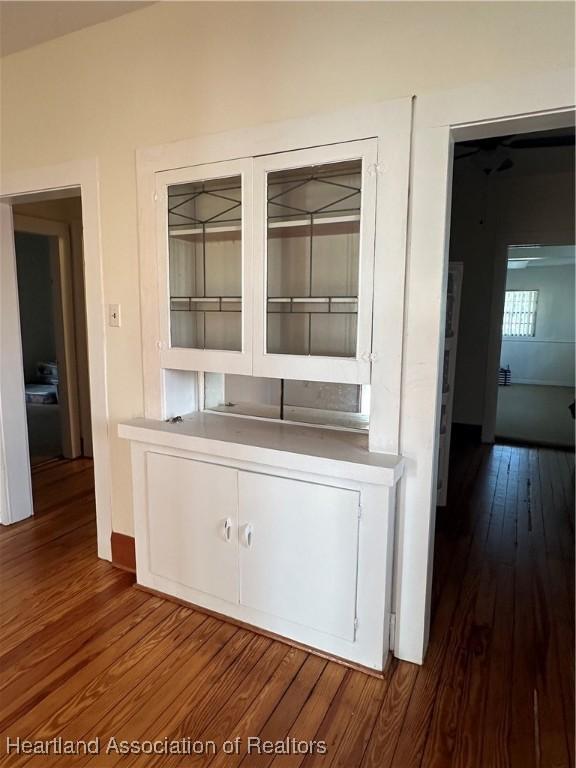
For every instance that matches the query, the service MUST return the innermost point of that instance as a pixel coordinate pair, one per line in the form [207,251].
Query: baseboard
[273,636]
[543,383]
[526,442]
[123,551]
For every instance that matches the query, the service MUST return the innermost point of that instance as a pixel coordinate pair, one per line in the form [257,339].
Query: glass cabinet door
[205,263]
[317,261]
[204,224]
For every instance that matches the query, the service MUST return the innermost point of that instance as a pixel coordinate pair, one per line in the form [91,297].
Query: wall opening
[52,312]
[509,194]
[536,375]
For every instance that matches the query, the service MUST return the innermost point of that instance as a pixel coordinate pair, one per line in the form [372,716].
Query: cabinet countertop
[336,453]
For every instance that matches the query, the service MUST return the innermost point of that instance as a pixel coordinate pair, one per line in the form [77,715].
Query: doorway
[52,314]
[37,305]
[509,190]
[504,531]
[40,185]
[52,311]
[536,375]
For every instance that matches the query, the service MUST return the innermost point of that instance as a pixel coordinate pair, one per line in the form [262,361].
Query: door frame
[489,109]
[61,266]
[23,186]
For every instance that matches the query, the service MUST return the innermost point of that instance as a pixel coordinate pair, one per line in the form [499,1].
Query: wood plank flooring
[84,655]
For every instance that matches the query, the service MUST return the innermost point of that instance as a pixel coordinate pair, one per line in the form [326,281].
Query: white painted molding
[4,501]
[56,182]
[15,482]
[523,104]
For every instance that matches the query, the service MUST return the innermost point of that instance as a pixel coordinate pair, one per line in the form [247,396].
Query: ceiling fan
[494,152]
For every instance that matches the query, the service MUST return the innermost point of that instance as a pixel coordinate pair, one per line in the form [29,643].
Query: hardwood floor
[83,654]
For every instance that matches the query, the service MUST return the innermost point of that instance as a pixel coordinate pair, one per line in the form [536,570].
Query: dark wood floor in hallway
[84,654]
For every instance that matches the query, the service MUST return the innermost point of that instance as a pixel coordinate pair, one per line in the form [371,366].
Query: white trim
[524,104]
[5,507]
[389,280]
[15,486]
[18,186]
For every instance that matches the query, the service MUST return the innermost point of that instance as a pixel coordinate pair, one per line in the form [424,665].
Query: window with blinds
[520,313]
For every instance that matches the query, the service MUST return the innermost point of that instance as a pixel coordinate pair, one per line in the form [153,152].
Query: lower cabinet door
[299,552]
[192,524]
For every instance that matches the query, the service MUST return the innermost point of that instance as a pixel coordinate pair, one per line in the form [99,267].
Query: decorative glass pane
[308,402]
[205,246]
[313,242]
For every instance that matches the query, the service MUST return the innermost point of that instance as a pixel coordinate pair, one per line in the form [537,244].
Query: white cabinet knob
[227,529]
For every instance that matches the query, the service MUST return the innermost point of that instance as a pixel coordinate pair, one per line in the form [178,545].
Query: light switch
[114,315]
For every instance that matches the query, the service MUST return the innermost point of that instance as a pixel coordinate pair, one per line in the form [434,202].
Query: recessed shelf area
[279,227]
[306,402]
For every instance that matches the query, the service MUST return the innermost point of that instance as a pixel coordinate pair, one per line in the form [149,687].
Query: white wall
[177,70]
[489,213]
[548,356]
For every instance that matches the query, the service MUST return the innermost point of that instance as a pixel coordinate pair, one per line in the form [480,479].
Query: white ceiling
[520,257]
[24,24]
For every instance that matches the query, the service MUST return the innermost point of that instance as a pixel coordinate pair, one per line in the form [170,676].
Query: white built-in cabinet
[288,529]
[266,264]
[192,521]
[279,546]
[276,254]
[314,262]
[304,537]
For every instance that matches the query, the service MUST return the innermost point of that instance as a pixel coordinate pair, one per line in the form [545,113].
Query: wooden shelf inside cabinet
[312,304]
[333,225]
[215,303]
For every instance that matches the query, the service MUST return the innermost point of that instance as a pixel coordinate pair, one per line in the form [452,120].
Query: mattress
[41,394]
